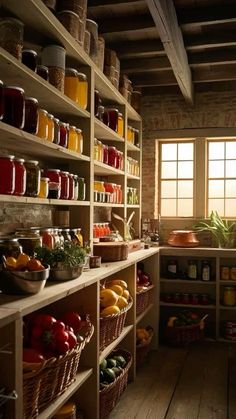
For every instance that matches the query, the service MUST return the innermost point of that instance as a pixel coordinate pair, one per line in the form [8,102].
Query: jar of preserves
[233,274]
[61,237]
[71,83]
[112,156]
[56,236]
[92,27]
[71,186]
[73,139]
[29,58]
[47,237]
[66,234]
[105,154]
[172,269]
[82,91]
[50,128]
[120,128]
[192,269]
[177,298]
[11,36]
[1,100]
[56,138]
[224,273]
[64,131]
[186,298]
[136,138]
[31,115]
[33,176]
[109,188]
[64,185]
[54,57]
[74,238]
[43,72]
[229,296]
[14,106]
[205,300]
[129,134]
[7,175]
[100,151]
[82,189]
[206,271]
[80,147]
[29,239]
[43,124]
[97,102]
[195,299]
[44,187]
[76,181]
[9,246]
[20,177]
[119,194]
[54,183]
[113,118]
[95,149]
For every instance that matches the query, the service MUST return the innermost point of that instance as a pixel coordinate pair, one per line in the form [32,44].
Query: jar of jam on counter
[31,115]
[7,175]
[29,239]
[64,185]
[54,183]
[29,58]
[14,106]
[20,177]
[33,176]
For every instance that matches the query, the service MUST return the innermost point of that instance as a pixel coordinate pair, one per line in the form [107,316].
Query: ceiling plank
[123,24]
[210,40]
[95,3]
[164,16]
[190,18]
[139,65]
[129,49]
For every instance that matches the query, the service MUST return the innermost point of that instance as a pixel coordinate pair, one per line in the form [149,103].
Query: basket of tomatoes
[184,328]
[51,355]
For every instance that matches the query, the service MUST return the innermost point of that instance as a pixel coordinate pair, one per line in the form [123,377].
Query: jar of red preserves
[112,156]
[47,237]
[7,175]
[119,194]
[64,132]
[20,177]
[1,100]
[109,189]
[31,115]
[14,106]
[113,118]
[54,183]
[105,154]
[71,186]
[64,185]
[33,176]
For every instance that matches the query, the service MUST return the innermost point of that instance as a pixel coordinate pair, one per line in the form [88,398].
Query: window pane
[185,170]
[185,207]
[230,168]
[168,207]
[230,188]
[185,151]
[168,189]
[185,189]
[230,207]
[216,150]
[216,189]
[230,150]
[169,170]
[216,205]
[169,151]
[216,168]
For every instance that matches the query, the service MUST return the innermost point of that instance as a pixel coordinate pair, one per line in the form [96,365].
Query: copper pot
[183,238]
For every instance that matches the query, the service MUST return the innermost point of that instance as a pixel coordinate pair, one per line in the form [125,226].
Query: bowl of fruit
[24,275]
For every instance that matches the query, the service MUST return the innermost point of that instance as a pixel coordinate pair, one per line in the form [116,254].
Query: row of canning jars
[133,136]
[133,166]
[24,113]
[101,230]
[108,155]
[132,196]
[107,192]
[111,117]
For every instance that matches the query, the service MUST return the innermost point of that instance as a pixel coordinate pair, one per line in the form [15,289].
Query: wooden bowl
[183,238]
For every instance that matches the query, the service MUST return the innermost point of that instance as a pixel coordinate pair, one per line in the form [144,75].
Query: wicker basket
[143,299]
[111,252]
[110,395]
[142,350]
[112,326]
[183,335]
[42,383]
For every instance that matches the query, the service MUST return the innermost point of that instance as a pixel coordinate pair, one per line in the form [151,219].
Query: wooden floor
[178,383]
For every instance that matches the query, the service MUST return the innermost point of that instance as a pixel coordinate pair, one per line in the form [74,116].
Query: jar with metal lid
[80,237]
[71,186]
[29,58]
[100,151]
[229,296]
[43,72]
[1,100]
[29,239]
[82,189]
[54,57]
[129,134]
[47,237]
[11,36]
[66,234]
[112,156]
[86,44]
[120,128]
[129,196]
[68,411]
[50,128]
[206,271]
[185,298]
[64,185]
[42,124]
[92,27]
[56,138]
[61,238]
[119,194]
[20,177]
[73,139]
[113,118]
[56,236]
[70,21]
[74,238]
[80,147]
[76,183]
[9,246]
[224,273]
[195,299]
[192,269]
[33,177]
[71,83]
[64,132]
[14,106]
[44,187]
[31,115]
[233,274]
[95,149]
[82,91]
[54,183]
[7,175]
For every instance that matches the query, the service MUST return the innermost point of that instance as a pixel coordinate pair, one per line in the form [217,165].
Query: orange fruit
[11,262]
[117,288]
[35,265]
[122,302]
[120,282]
[108,311]
[108,298]
[126,294]
[22,260]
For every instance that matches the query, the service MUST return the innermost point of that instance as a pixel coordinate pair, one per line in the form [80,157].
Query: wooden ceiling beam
[138,65]
[96,3]
[189,18]
[125,23]
[219,39]
[164,16]
[128,49]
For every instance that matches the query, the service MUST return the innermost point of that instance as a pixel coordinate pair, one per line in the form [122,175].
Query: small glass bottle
[206,271]
[192,269]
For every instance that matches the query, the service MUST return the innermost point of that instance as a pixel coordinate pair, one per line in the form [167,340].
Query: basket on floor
[183,335]
[142,350]
[110,395]
[143,298]
[44,382]
[112,326]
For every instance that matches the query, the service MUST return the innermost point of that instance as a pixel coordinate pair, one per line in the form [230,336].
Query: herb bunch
[67,255]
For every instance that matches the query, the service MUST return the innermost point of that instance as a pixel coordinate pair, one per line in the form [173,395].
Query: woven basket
[110,395]
[112,326]
[142,350]
[143,299]
[43,383]
[183,335]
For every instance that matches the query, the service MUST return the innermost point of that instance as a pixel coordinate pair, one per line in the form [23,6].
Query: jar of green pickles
[33,176]
[82,189]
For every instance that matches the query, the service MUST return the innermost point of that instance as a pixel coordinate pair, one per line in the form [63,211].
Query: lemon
[108,311]
[122,302]
[117,288]
[11,262]
[120,282]
[126,294]
[108,297]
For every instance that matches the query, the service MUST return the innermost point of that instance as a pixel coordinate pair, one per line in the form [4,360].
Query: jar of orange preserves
[73,139]
[43,124]
[229,297]
[80,143]
[120,128]
[71,83]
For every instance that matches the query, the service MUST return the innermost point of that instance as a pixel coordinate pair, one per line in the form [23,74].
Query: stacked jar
[132,196]
[76,87]
[133,166]
[101,230]
[54,57]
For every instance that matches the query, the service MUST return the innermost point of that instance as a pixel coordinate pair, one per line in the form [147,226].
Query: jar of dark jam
[97,102]
[64,185]
[105,118]
[1,100]
[43,72]
[9,246]
[112,156]
[113,118]
[33,176]
[54,183]
[29,239]
[64,131]
[71,186]
[29,58]
[31,115]
[7,175]
[82,189]
[66,234]
[14,106]
[56,138]
[105,154]
[20,177]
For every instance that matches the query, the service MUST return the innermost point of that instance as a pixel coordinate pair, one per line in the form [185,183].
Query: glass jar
[136,138]
[99,186]
[192,269]
[43,72]
[20,177]
[9,246]
[82,95]
[70,21]
[105,154]
[86,42]
[61,237]
[119,194]
[121,157]
[113,118]
[66,234]
[29,239]
[172,269]
[33,176]
[54,183]
[73,236]
[100,113]
[56,138]
[67,411]
[44,187]
[31,115]
[1,100]
[129,196]
[120,128]
[100,151]
[73,139]
[80,148]
[97,102]
[42,124]
[54,57]
[92,27]
[71,83]
[82,189]
[56,236]
[63,134]
[29,58]
[129,134]
[195,299]
[109,189]
[11,36]
[14,106]
[95,150]
[64,185]
[76,182]
[186,298]
[206,271]
[112,156]
[50,128]
[71,186]
[80,237]
[7,175]
[205,299]
[229,296]
[47,237]
[118,160]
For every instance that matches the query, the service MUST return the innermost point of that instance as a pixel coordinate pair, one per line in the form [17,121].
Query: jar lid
[56,120]
[67,11]
[12,19]
[66,230]
[82,76]
[19,160]
[80,130]
[73,127]
[16,88]
[65,173]
[34,162]
[72,71]
[53,170]
[43,111]
[32,99]
[50,116]
[54,56]
[63,124]
[45,179]
[9,239]
[120,114]
[81,178]
[43,67]
[76,176]
[6,156]
[230,288]
[91,22]
[112,109]
[46,229]
[32,51]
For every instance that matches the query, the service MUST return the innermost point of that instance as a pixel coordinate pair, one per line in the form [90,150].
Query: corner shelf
[103,132]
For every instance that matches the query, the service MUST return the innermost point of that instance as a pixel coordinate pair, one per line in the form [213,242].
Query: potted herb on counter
[223,231]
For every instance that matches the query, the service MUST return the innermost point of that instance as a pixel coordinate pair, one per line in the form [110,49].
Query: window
[176,178]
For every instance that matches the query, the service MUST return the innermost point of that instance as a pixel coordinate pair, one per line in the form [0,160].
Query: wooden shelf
[226,340]
[42,201]
[163,304]
[102,132]
[186,281]
[227,283]
[144,313]
[108,205]
[102,169]
[132,147]
[129,176]
[81,377]
[133,206]
[7,316]
[227,307]
[116,342]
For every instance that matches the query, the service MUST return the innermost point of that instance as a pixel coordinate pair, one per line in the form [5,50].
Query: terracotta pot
[183,238]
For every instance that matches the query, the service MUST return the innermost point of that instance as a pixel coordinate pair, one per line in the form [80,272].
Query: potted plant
[221,230]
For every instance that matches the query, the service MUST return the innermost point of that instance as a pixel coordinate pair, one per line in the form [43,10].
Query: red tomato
[44,320]
[72,319]
[32,355]
[36,332]
[61,336]
[72,339]
[62,347]
[58,326]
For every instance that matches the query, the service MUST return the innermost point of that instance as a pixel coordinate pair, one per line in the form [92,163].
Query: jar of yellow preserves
[80,144]
[82,91]
[43,124]
[50,127]
[100,151]
[120,129]
[95,150]
[229,297]
[44,187]
[73,139]
[71,83]
[129,134]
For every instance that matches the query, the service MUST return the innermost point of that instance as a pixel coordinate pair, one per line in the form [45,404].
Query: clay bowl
[183,238]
